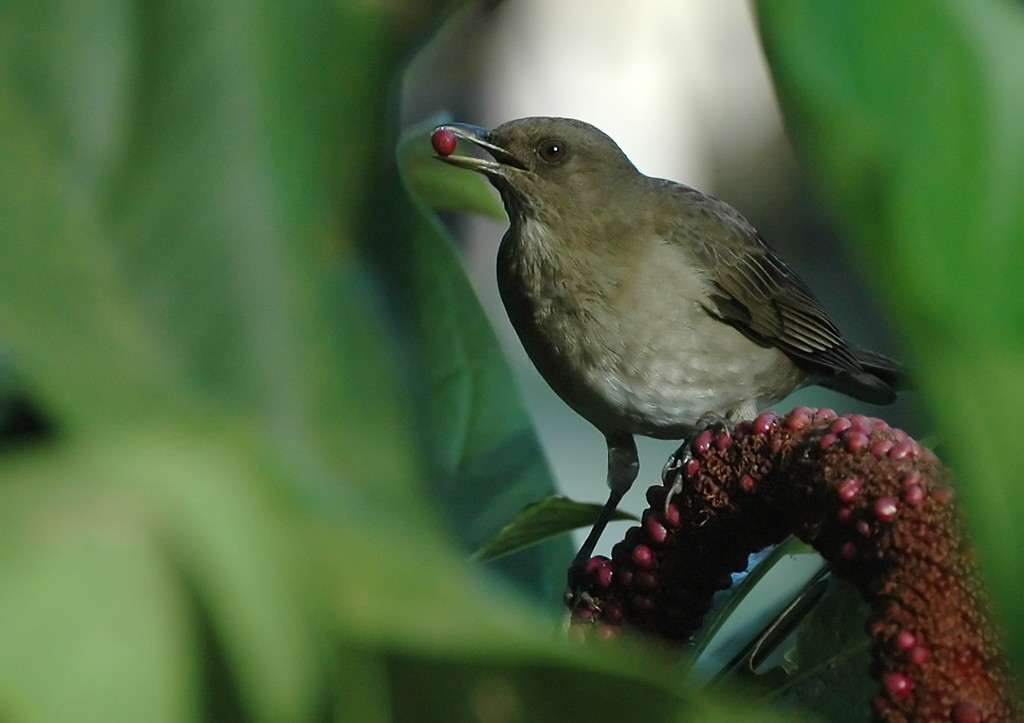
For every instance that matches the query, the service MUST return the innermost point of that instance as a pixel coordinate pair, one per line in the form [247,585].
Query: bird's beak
[503,159]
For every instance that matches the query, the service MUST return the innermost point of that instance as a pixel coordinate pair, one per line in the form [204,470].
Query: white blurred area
[665,79]
[671,82]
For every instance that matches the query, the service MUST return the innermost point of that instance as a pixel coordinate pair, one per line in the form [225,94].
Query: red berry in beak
[444,141]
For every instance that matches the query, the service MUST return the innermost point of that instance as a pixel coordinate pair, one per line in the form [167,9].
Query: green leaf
[540,521]
[922,154]
[832,657]
[93,623]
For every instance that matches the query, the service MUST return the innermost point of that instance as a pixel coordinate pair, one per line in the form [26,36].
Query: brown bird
[649,307]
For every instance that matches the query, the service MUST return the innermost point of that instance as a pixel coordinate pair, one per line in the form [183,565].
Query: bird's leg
[623,467]
[680,459]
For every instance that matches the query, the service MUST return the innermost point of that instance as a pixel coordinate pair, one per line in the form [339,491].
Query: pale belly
[663,395]
[657,375]
[632,354]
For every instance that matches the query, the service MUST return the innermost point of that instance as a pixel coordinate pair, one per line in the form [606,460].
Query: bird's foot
[713,420]
[678,464]
[576,595]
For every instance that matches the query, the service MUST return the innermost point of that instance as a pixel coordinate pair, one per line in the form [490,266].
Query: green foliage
[280,422]
[910,114]
[540,521]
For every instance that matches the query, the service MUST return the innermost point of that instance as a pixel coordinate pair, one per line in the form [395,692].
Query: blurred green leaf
[132,554]
[540,521]
[194,261]
[93,624]
[910,114]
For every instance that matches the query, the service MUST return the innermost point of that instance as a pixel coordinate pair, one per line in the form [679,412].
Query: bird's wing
[754,291]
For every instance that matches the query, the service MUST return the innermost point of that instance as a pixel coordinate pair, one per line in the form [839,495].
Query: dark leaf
[540,521]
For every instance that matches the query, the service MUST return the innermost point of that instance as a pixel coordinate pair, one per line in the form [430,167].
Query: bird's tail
[876,382]
[890,371]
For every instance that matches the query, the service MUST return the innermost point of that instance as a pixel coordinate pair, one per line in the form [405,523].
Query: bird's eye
[552,150]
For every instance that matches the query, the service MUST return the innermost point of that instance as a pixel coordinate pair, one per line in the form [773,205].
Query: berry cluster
[874,503]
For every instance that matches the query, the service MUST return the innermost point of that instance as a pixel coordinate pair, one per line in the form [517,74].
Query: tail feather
[876,382]
[890,371]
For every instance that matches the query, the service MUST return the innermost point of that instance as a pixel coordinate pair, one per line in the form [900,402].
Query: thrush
[648,306]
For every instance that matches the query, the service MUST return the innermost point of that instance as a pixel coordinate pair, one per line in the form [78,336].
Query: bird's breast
[627,342]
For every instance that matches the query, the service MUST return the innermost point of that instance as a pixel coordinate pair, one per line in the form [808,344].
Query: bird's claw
[576,597]
[678,463]
[675,467]
[711,420]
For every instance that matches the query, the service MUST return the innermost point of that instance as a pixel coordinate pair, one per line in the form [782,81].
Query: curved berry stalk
[870,499]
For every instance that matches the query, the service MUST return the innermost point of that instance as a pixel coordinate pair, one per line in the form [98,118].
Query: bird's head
[543,166]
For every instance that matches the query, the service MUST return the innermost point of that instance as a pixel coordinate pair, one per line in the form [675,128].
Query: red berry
[966,711]
[901,450]
[905,640]
[799,419]
[645,581]
[702,443]
[643,557]
[849,488]
[594,564]
[911,478]
[859,420]
[855,440]
[824,415]
[881,447]
[918,655]
[898,686]
[840,425]
[914,495]
[655,529]
[764,422]
[444,141]
[886,508]
[613,612]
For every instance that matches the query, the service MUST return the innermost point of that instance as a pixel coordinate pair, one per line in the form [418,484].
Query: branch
[876,504]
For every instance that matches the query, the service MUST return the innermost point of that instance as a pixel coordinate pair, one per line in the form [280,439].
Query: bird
[649,307]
